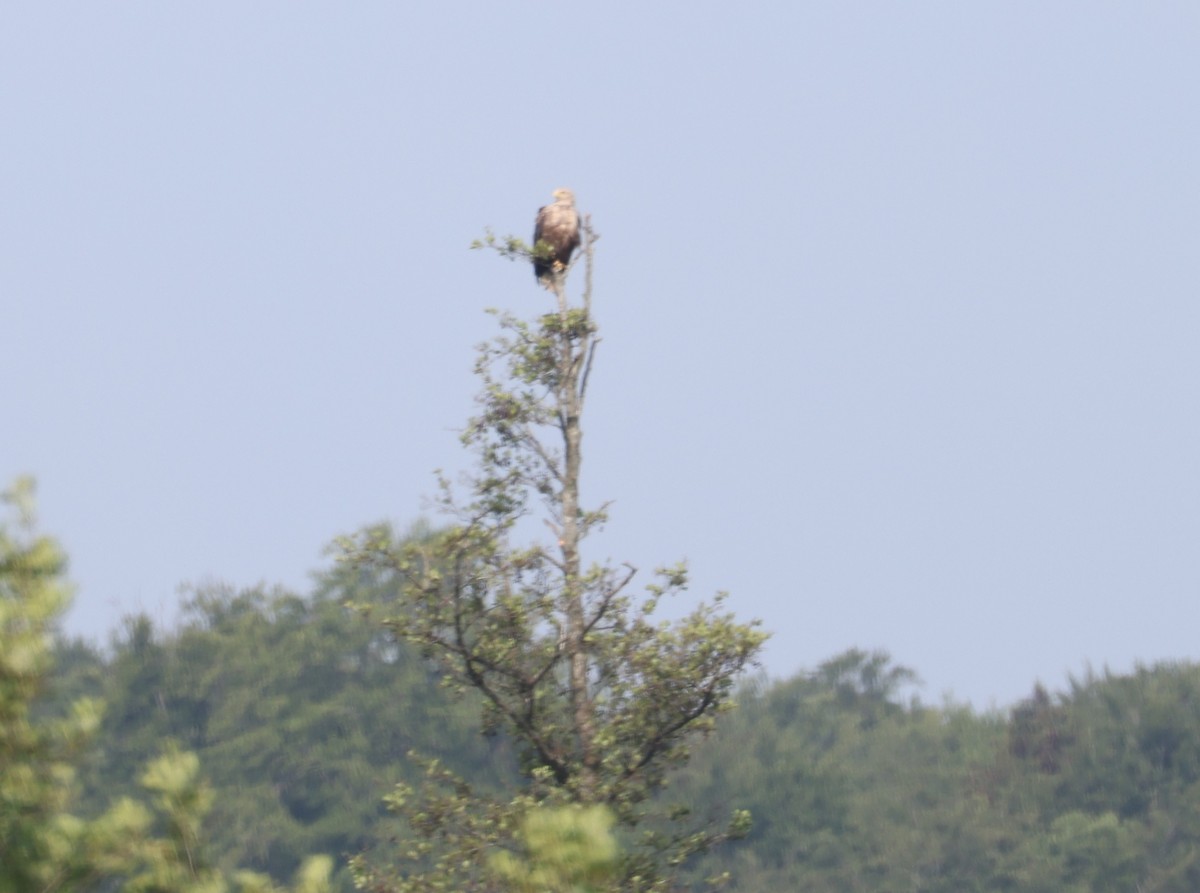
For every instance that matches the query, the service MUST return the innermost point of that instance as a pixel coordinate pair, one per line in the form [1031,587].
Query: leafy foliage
[853,785]
[43,845]
[565,850]
[601,697]
[37,836]
[301,713]
[1092,790]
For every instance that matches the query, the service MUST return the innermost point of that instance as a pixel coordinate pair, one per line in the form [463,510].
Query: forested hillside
[1093,789]
[302,713]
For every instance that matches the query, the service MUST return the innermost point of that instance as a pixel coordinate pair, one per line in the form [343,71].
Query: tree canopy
[44,844]
[601,698]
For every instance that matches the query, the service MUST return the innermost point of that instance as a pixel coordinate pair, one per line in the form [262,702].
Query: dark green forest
[302,714]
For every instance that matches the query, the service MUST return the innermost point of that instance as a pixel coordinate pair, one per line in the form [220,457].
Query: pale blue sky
[898,301]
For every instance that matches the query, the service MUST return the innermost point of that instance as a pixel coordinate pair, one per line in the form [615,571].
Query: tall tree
[602,698]
[36,758]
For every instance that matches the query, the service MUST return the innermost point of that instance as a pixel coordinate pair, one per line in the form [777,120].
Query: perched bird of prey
[557,226]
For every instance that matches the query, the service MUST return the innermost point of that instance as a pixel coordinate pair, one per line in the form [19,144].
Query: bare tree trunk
[575,345]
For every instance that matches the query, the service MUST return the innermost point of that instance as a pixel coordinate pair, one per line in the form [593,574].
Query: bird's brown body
[556,230]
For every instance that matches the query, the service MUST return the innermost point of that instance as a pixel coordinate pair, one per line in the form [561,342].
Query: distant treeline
[303,713]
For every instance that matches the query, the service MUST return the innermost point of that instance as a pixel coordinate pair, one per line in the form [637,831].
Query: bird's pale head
[562,194]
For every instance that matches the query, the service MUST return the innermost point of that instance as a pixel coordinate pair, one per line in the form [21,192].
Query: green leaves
[601,701]
[562,850]
[43,845]
[36,758]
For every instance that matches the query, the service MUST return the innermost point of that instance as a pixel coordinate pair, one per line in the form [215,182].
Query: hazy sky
[899,306]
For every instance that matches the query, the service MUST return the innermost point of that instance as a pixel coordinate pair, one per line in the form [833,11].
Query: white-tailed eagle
[557,227]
